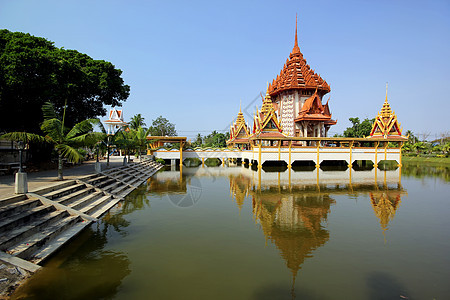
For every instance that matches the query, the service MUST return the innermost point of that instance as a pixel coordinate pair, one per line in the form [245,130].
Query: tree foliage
[216,139]
[67,141]
[359,129]
[137,121]
[34,71]
[162,127]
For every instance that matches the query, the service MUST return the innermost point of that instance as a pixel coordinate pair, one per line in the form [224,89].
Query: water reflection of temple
[385,205]
[295,224]
[293,216]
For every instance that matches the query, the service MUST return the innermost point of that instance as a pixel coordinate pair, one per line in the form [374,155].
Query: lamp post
[21,184]
[21,147]
[98,166]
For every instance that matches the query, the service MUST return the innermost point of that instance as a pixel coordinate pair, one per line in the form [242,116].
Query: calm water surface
[236,233]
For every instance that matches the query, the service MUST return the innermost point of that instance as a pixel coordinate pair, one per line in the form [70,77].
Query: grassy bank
[429,161]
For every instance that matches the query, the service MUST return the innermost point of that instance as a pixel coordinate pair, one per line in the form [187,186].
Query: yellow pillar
[375,165]
[385,150]
[259,160]
[279,150]
[350,176]
[317,180]
[376,176]
[259,179]
[400,159]
[181,154]
[350,149]
[290,163]
[317,161]
[203,162]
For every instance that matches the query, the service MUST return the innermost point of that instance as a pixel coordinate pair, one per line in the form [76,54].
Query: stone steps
[14,208]
[22,232]
[28,246]
[70,198]
[64,191]
[34,226]
[60,240]
[82,202]
[25,217]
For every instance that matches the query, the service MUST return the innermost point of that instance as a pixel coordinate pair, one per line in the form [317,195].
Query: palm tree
[136,122]
[66,141]
[106,140]
[140,139]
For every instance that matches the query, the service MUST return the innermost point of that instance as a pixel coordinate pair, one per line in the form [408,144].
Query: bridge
[290,150]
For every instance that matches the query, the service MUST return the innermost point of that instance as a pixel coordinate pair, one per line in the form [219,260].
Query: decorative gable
[386,123]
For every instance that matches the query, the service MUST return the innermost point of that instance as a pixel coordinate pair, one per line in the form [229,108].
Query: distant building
[115,121]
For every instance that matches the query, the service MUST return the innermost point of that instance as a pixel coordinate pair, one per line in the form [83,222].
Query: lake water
[237,233]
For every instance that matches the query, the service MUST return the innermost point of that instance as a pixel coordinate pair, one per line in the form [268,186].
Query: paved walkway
[38,180]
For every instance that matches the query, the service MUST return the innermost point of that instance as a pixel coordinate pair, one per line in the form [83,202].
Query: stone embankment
[35,225]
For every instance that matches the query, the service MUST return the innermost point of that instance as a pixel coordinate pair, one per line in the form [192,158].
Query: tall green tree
[65,140]
[137,121]
[359,129]
[140,139]
[105,140]
[162,127]
[125,141]
[216,139]
[198,141]
[34,71]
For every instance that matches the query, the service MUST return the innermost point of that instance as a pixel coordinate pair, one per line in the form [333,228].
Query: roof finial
[296,48]
[240,105]
[386,92]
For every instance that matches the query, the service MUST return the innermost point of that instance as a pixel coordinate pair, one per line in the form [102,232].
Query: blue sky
[194,61]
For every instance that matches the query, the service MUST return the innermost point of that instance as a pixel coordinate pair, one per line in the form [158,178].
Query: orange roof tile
[297,74]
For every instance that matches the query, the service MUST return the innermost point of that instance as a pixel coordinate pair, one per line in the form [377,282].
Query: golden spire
[267,103]
[386,111]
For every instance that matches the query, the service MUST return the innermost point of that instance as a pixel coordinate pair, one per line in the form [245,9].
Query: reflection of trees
[83,269]
[137,200]
[167,185]
[422,171]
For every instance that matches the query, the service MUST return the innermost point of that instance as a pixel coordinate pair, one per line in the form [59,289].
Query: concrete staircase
[35,225]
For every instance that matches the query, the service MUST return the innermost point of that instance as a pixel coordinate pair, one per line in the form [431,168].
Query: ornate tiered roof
[115,121]
[297,74]
[386,124]
[266,123]
[239,131]
[314,110]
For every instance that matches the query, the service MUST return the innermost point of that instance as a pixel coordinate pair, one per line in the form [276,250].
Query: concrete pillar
[98,167]
[173,162]
[21,185]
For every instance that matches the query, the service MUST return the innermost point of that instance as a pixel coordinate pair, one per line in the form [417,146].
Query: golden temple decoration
[386,124]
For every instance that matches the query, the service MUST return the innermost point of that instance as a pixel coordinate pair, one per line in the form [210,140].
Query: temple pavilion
[297,94]
[292,106]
